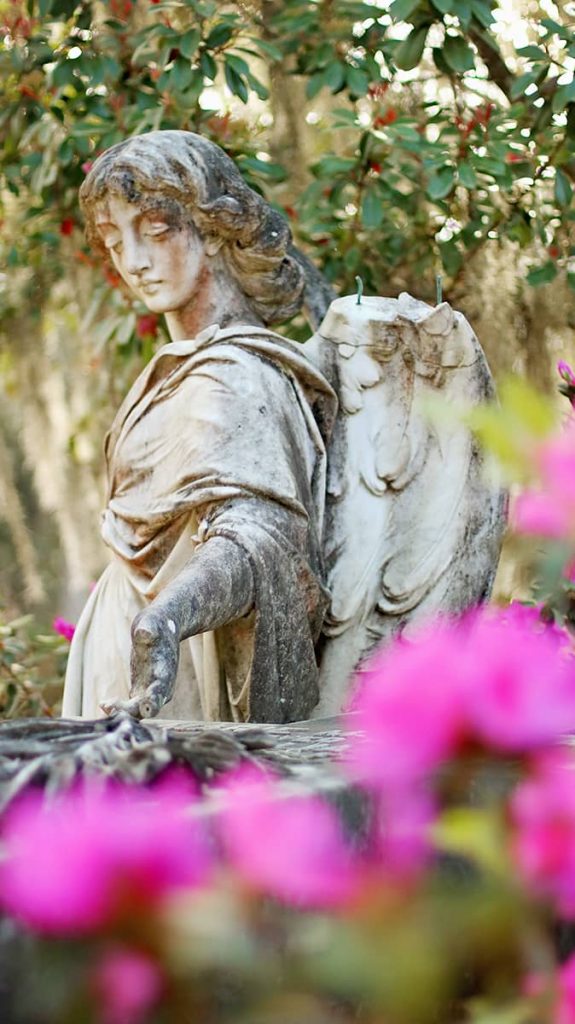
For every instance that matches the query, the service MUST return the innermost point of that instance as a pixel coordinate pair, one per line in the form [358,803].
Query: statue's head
[189,182]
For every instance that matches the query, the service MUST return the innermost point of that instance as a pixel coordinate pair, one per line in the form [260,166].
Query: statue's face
[162,261]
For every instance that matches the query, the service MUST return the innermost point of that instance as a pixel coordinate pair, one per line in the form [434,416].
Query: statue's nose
[137,259]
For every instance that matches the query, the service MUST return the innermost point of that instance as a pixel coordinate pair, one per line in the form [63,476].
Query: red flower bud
[147,326]
[66,226]
[112,278]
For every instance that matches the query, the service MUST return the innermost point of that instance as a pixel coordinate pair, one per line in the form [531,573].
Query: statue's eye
[153,229]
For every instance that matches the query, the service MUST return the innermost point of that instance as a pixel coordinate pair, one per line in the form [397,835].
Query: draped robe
[221,436]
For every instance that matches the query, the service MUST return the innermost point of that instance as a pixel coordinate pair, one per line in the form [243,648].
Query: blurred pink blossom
[64,628]
[126,983]
[499,678]
[549,509]
[519,682]
[93,856]
[535,512]
[543,814]
[409,706]
[403,842]
[565,1010]
[290,847]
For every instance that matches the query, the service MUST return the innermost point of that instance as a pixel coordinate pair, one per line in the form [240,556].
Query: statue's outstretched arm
[214,588]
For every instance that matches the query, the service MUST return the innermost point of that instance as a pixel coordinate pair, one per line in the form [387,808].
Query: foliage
[31,669]
[445,138]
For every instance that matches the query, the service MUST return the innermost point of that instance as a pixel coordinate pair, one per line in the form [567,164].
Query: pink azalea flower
[543,813]
[409,707]
[565,1010]
[403,842]
[537,513]
[290,847]
[64,628]
[519,682]
[501,678]
[127,984]
[549,510]
[92,856]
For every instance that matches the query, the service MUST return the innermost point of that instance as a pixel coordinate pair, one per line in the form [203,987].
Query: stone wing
[412,527]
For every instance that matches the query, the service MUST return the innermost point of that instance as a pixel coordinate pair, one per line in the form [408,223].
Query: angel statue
[274,510]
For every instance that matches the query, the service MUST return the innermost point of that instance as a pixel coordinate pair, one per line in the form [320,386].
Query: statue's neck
[217,300]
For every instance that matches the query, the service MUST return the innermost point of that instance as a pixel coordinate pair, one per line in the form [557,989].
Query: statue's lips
[148,286]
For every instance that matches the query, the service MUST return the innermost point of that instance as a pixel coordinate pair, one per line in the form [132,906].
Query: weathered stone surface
[52,754]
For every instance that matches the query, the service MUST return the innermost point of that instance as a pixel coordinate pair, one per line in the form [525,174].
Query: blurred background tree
[403,140]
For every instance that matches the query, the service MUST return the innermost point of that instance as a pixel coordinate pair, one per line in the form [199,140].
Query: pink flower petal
[543,812]
[76,864]
[64,628]
[127,984]
[534,512]
[290,847]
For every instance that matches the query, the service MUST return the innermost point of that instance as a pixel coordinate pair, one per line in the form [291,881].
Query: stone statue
[274,510]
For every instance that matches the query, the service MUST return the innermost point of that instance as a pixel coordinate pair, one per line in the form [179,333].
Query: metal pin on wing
[359,284]
[438,289]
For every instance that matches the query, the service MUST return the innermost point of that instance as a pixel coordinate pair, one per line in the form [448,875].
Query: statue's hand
[153,665]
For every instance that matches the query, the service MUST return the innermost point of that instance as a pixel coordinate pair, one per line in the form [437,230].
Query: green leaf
[440,62]
[263,167]
[258,87]
[532,52]
[542,275]
[563,189]
[238,64]
[443,6]
[334,75]
[208,65]
[571,280]
[451,257]
[357,81]
[371,209]
[235,83]
[463,12]
[482,12]
[336,165]
[441,183]
[219,36]
[555,28]
[269,49]
[408,54]
[181,75]
[458,54]
[400,10]
[565,94]
[189,43]
[493,168]
[474,833]
[314,84]
[466,175]
[63,74]
[520,84]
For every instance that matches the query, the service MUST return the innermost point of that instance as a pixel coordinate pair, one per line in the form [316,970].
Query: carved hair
[182,170]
